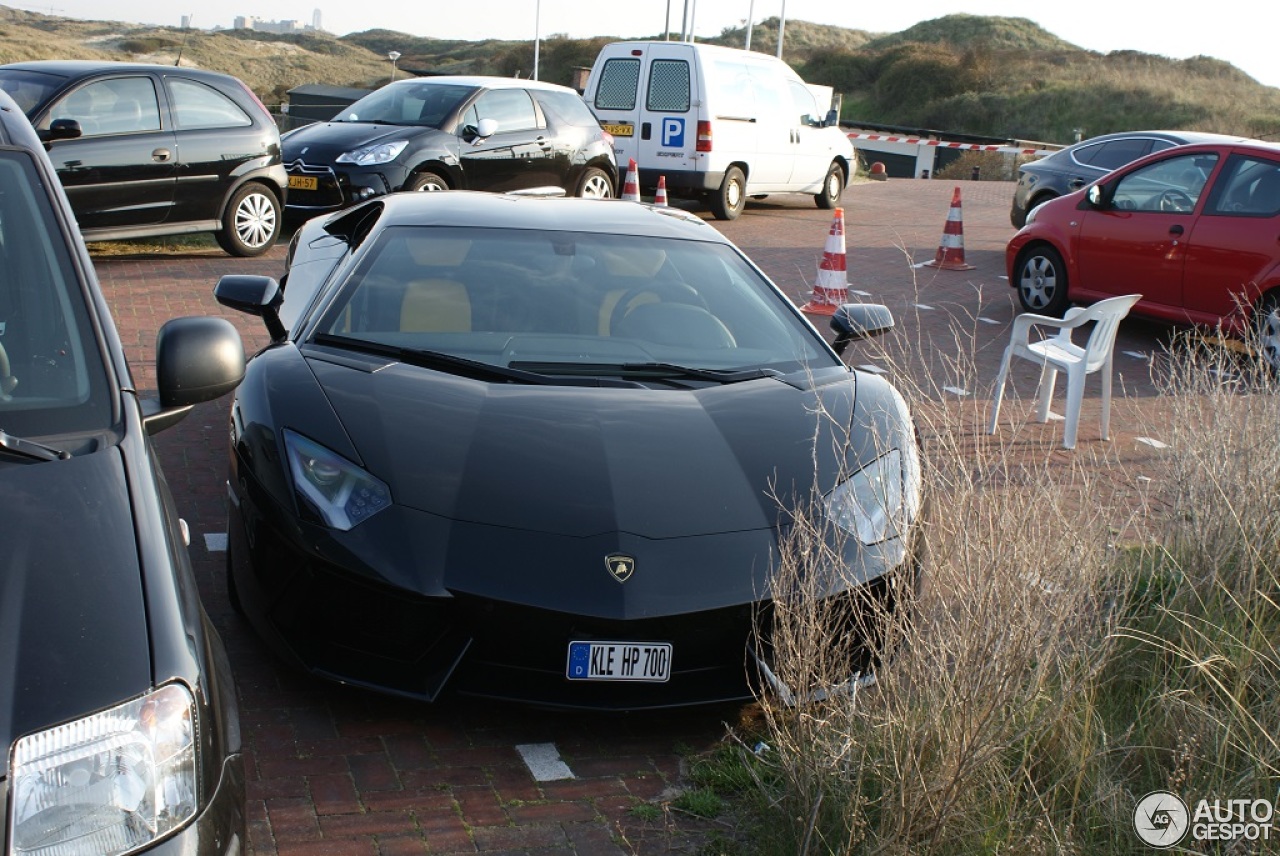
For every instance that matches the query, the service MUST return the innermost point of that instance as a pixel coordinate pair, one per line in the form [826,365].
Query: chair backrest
[1106,315]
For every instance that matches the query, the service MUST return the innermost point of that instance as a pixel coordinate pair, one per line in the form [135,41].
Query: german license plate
[619,661]
[302,182]
[621,130]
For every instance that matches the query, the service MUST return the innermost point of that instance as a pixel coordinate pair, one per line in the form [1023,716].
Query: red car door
[1236,241]
[1140,241]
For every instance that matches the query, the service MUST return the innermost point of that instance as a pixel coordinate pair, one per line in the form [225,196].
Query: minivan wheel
[425,181]
[251,223]
[832,187]
[727,202]
[1042,281]
[594,184]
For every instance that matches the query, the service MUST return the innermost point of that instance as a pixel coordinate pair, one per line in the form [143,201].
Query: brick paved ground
[336,771]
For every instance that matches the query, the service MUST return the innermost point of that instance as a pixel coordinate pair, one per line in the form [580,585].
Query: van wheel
[832,187]
[727,202]
[251,223]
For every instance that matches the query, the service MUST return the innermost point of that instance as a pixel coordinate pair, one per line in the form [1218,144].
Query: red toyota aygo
[1194,229]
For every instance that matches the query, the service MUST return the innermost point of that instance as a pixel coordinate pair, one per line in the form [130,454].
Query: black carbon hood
[582,461]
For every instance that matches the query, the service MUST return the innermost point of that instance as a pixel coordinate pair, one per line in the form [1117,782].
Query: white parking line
[1155,444]
[543,761]
[215,542]
[955,390]
[867,367]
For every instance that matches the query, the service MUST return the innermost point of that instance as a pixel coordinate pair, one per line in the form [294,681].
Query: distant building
[253,22]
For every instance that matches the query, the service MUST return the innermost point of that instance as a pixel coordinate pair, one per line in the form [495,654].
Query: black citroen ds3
[118,717]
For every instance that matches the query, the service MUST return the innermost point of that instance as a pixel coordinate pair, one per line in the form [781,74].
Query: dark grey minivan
[118,716]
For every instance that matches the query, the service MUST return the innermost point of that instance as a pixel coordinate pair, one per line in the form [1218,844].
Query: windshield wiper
[29,449]
[655,371]
[461,366]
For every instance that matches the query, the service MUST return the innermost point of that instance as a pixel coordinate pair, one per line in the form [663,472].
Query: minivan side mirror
[833,119]
[198,358]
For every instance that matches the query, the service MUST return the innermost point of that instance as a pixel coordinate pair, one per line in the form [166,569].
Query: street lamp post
[393,56]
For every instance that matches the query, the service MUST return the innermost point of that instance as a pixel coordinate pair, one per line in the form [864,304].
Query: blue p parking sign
[673,132]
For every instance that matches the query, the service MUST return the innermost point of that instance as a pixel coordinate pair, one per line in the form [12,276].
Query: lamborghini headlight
[108,783]
[341,492]
[374,154]
[881,500]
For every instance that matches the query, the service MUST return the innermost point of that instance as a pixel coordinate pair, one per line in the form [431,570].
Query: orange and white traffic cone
[831,288]
[950,254]
[631,187]
[660,196]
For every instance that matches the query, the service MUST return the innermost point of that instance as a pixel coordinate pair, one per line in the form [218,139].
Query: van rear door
[643,94]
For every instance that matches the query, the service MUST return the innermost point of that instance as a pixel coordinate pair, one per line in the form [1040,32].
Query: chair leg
[1075,398]
[1106,401]
[1044,391]
[999,396]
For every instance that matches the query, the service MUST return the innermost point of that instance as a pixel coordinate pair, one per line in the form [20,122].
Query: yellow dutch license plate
[302,182]
[620,130]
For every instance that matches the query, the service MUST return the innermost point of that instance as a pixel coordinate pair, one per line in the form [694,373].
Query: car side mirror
[484,129]
[60,129]
[197,359]
[1095,196]
[833,119]
[256,295]
[859,321]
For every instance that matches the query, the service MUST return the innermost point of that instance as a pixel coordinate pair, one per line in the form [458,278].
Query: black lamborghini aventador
[546,450]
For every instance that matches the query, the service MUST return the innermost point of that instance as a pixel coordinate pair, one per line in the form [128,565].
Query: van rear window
[668,86]
[619,80]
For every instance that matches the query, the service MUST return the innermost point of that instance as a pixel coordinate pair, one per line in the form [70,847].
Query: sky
[1229,30]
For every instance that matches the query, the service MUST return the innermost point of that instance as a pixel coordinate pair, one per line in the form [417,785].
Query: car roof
[1180,137]
[486,81]
[480,210]
[83,67]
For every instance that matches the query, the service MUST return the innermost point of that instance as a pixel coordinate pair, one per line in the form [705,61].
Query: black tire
[832,187]
[594,184]
[252,221]
[727,202]
[1266,325]
[1042,281]
[427,182]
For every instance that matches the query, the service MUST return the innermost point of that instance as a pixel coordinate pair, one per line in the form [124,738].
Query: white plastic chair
[1060,353]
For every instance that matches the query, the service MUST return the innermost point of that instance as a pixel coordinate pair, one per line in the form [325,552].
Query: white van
[719,123]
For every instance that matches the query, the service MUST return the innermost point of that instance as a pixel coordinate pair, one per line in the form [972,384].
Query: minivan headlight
[374,154]
[108,783]
[341,492]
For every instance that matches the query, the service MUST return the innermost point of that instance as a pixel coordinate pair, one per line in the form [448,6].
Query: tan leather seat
[435,306]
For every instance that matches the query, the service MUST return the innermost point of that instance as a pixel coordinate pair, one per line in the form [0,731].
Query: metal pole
[666,23]
[782,26]
[751,17]
[537,36]
[684,26]
[693,17]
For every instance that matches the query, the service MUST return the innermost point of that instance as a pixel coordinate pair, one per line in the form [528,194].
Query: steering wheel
[7,381]
[654,292]
[1176,201]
